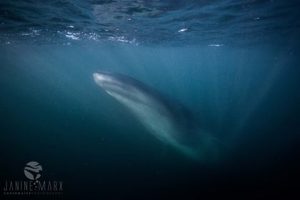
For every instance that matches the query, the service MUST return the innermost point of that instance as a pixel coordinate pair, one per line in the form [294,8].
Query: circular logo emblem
[32,170]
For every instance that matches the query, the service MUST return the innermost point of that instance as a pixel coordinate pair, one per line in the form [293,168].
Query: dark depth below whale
[170,122]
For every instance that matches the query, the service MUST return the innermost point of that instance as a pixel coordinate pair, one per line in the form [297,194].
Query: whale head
[123,88]
[108,82]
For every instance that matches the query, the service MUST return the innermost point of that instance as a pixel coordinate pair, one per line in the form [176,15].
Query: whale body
[169,122]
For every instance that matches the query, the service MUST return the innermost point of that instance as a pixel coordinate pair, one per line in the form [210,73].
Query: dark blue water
[233,64]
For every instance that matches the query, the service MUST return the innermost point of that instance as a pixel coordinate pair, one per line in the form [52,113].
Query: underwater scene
[149,99]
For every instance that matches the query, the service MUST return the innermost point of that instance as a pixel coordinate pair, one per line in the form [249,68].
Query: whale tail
[204,147]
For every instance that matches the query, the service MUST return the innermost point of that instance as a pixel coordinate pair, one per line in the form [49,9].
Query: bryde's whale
[168,121]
